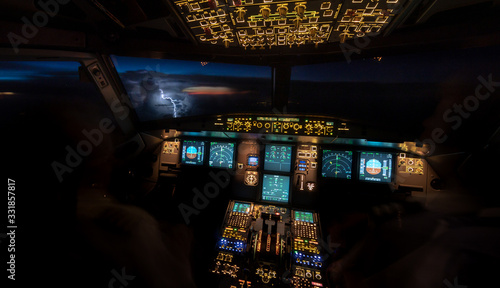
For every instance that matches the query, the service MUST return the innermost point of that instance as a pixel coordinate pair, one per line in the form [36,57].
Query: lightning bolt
[171,100]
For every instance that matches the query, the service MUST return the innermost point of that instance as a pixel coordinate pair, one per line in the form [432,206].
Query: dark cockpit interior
[250,143]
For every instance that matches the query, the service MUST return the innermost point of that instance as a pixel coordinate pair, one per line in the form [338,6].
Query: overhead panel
[263,24]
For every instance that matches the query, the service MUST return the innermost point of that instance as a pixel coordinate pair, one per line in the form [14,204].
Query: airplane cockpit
[251,143]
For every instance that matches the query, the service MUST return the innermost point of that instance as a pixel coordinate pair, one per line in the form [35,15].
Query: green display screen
[304,216]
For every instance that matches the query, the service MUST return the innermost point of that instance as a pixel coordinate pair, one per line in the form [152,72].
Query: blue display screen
[193,152]
[375,167]
[253,161]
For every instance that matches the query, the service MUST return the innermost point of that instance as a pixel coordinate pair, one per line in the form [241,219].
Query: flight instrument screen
[337,164]
[193,152]
[375,167]
[221,155]
[278,158]
[275,188]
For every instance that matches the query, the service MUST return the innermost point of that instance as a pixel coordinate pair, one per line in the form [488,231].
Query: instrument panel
[290,173]
[264,24]
[264,239]
[263,245]
[284,125]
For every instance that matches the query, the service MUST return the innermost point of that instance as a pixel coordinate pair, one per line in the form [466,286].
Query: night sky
[27,70]
[180,67]
[429,67]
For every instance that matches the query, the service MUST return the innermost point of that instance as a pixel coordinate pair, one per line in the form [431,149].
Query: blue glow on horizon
[29,70]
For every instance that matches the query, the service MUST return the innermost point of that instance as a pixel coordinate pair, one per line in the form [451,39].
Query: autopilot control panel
[266,245]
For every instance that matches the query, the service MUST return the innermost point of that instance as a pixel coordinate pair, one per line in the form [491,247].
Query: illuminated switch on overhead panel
[325,5]
[265,12]
[312,31]
[282,11]
[237,2]
[381,19]
[241,15]
[297,22]
[300,10]
[207,31]
[195,6]
[372,5]
[357,19]
[329,13]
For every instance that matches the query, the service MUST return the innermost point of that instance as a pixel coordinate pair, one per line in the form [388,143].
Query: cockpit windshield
[163,88]
[399,91]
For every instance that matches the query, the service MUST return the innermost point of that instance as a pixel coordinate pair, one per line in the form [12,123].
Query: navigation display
[221,155]
[193,152]
[375,167]
[275,188]
[278,158]
[241,207]
[304,216]
[337,164]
